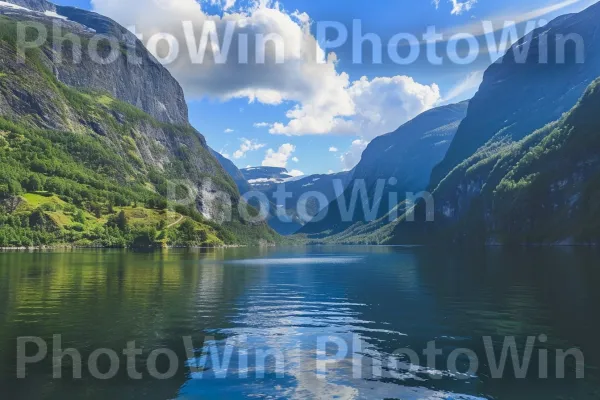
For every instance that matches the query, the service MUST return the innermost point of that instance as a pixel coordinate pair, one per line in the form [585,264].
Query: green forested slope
[81,167]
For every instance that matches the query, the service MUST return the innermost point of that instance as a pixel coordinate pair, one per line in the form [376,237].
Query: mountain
[513,101]
[263,178]
[144,84]
[522,93]
[94,154]
[233,171]
[402,160]
[410,153]
[523,164]
[543,189]
[286,220]
[35,5]
[302,205]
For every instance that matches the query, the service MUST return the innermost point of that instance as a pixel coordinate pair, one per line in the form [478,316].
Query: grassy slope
[542,189]
[94,167]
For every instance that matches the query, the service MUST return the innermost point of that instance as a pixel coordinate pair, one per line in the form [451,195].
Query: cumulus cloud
[325,100]
[246,146]
[307,75]
[333,149]
[280,157]
[228,130]
[458,7]
[295,159]
[351,157]
[224,4]
[378,106]
[261,124]
[295,173]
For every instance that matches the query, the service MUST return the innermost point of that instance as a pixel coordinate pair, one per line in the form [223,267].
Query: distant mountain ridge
[402,160]
[268,180]
[233,171]
[262,178]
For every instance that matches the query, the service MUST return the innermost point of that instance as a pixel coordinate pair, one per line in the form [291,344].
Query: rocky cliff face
[35,5]
[514,100]
[402,160]
[233,171]
[410,153]
[522,93]
[136,112]
[143,83]
[542,189]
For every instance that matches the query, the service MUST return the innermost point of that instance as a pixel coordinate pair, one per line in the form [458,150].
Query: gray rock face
[35,5]
[233,171]
[410,153]
[134,76]
[400,162]
[522,93]
[32,95]
[514,100]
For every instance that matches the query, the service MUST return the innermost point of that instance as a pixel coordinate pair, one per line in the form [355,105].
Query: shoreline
[487,245]
[72,247]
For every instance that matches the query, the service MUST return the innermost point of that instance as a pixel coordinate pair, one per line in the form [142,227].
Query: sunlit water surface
[285,302]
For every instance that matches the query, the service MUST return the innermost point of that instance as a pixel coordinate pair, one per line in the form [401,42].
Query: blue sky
[335,116]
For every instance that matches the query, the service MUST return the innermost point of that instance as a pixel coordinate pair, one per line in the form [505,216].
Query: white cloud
[458,7]
[295,159]
[280,157]
[246,146]
[223,4]
[350,158]
[378,106]
[465,88]
[308,76]
[261,124]
[333,149]
[295,173]
[325,100]
[228,130]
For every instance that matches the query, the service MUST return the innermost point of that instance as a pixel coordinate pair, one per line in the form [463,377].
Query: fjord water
[375,299]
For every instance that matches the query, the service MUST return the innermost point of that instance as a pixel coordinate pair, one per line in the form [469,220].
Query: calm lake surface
[301,306]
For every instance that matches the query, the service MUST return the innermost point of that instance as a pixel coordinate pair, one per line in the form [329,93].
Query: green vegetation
[79,167]
[543,189]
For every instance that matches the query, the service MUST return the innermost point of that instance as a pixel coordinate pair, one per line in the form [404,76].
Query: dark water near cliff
[370,301]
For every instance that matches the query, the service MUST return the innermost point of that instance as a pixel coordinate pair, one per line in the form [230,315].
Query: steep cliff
[124,137]
[543,189]
[521,93]
[401,161]
[35,5]
[233,171]
[133,75]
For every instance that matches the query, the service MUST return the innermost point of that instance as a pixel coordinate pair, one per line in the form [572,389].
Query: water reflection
[281,301]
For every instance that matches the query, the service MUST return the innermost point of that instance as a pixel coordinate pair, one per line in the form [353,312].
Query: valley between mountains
[104,156]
